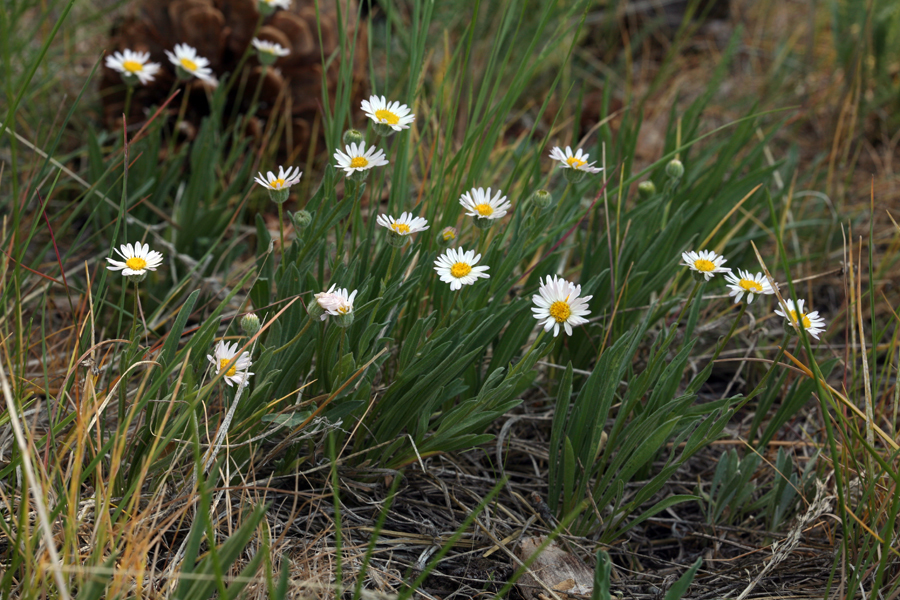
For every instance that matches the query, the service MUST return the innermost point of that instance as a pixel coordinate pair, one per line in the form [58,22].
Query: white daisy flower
[357,158]
[187,59]
[558,302]
[340,302]
[133,64]
[284,180]
[457,267]
[326,303]
[811,322]
[480,205]
[393,114]
[746,282]
[577,161]
[139,259]
[268,51]
[407,224]
[237,372]
[706,262]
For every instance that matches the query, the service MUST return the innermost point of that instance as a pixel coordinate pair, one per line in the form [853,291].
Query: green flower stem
[129,93]
[734,325]
[447,314]
[387,276]
[256,92]
[482,241]
[281,231]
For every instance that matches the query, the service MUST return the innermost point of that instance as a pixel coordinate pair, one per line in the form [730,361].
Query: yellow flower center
[188,64]
[460,269]
[232,371]
[704,265]
[386,116]
[448,235]
[748,285]
[560,311]
[132,66]
[401,228]
[576,163]
[278,183]
[806,323]
[135,263]
[358,162]
[485,210]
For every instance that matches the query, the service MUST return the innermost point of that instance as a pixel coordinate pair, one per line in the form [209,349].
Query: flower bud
[573,175]
[675,170]
[250,323]
[301,219]
[446,237]
[353,136]
[646,190]
[542,199]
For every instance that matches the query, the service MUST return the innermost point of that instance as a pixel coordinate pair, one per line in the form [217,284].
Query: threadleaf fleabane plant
[138,260]
[356,160]
[278,185]
[458,267]
[237,373]
[268,52]
[793,313]
[747,283]
[400,229]
[485,208]
[388,116]
[558,302]
[133,66]
[190,64]
[705,263]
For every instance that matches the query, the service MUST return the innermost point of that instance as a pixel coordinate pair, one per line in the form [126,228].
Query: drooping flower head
[268,52]
[403,227]
[576,164]
[133,65]
[478,203]
[558,303]
[189,63]
[705,263]
[138,260]
[457,267]
[746,282]
[357,159]
[237,372]
[390,115]
[811,322]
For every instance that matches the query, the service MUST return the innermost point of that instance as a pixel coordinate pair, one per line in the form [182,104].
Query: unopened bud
[353,136]
[542,199]
[250,323]
[675,170]
[301,219]
[646,190]
[446,237]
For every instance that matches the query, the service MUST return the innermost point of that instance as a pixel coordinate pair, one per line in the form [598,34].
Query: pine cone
[221,31]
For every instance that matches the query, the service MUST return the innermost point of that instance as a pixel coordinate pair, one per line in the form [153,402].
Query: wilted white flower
[558,303]
[284,180]
[237,373]
[811,322]
[577,161]
[457,267]
[747,283]
[187,59]
[357,158]
[706,262]
[393,114]
[133,64]
[139,259]
[479,204]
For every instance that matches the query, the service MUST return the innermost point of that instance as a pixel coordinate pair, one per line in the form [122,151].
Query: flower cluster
[705,264]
